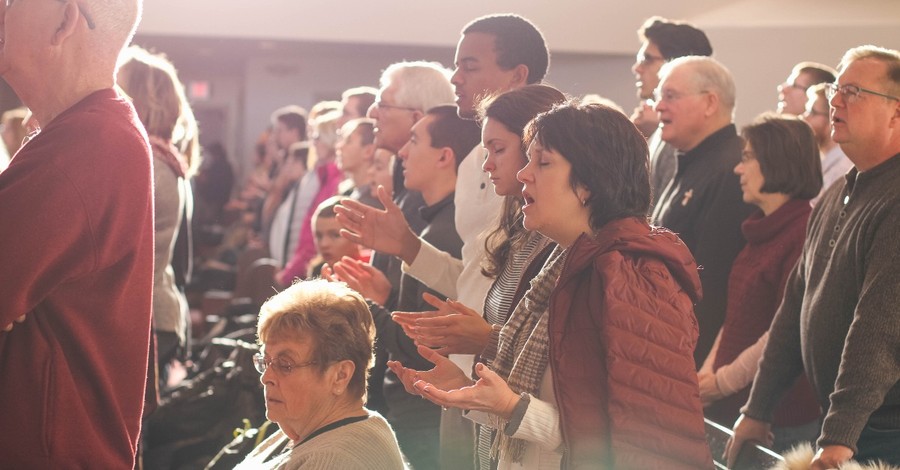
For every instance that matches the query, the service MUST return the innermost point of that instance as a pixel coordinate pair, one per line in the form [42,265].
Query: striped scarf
[523,349]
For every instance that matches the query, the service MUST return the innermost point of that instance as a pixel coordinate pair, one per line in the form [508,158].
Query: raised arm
[381,230]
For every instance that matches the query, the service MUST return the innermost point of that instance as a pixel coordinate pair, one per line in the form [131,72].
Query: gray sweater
[840,318]
[364,445]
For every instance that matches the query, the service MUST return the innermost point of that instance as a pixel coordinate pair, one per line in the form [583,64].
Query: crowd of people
[473,269]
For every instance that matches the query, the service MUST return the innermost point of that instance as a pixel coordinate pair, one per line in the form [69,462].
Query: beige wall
[338,44]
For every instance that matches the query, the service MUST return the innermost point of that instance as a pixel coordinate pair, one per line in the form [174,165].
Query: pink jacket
[297,267]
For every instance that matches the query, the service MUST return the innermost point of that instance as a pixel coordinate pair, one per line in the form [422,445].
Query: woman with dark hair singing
[595,367]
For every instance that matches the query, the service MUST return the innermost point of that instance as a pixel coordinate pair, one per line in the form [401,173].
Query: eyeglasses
[281,365]
[793,85]
[851,92]
[672,95]
[84,13]
[648,59]
[382,105]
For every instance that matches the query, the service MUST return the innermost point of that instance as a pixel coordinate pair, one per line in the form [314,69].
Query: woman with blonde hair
[152,83]
[317,339]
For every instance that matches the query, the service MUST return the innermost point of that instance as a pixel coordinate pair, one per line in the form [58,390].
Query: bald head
[115,22]
[57,52]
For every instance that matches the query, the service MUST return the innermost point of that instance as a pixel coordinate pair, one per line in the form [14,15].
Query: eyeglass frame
[647,59]
[84,13]
[673,95]
[261,364]
[382,105]
[793,85]
[832,89]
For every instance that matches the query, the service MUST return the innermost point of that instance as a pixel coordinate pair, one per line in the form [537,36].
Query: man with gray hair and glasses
[702,203]
[76,241]
[838,321]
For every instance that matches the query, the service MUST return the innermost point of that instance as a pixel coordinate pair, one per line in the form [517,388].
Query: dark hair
[325,210]
[513,109]
[788,156]
[818,72]
[449,130]
[675,39]
[294,117]
[516,41]
[366,95]
[299,151]
[609,157]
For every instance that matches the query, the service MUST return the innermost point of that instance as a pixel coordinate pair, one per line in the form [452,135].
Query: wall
[592,43]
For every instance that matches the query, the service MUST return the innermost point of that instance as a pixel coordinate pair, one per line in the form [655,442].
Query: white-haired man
[76,241]
[408,91]
[702,203]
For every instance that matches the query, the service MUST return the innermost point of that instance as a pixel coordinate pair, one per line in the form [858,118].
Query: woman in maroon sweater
[780,172]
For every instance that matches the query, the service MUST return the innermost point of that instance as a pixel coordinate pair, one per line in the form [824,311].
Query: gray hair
[420,85]
[708,75]
[890,58]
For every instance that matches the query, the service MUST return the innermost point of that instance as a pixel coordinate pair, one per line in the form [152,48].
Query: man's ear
[712,103]
[519,76]
[67,24]
[447,158]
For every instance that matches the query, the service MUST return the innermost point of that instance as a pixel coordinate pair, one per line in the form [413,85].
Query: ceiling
[571,26]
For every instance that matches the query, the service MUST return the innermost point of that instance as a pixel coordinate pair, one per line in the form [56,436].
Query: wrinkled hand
[363,278]
[445,373]
[490,394]
[747,431]
[709,389]
[381,230]
[452,329]
[830,457]
[645,118]
[11,325]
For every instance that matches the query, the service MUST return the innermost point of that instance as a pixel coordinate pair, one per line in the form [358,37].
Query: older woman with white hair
[316,339]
